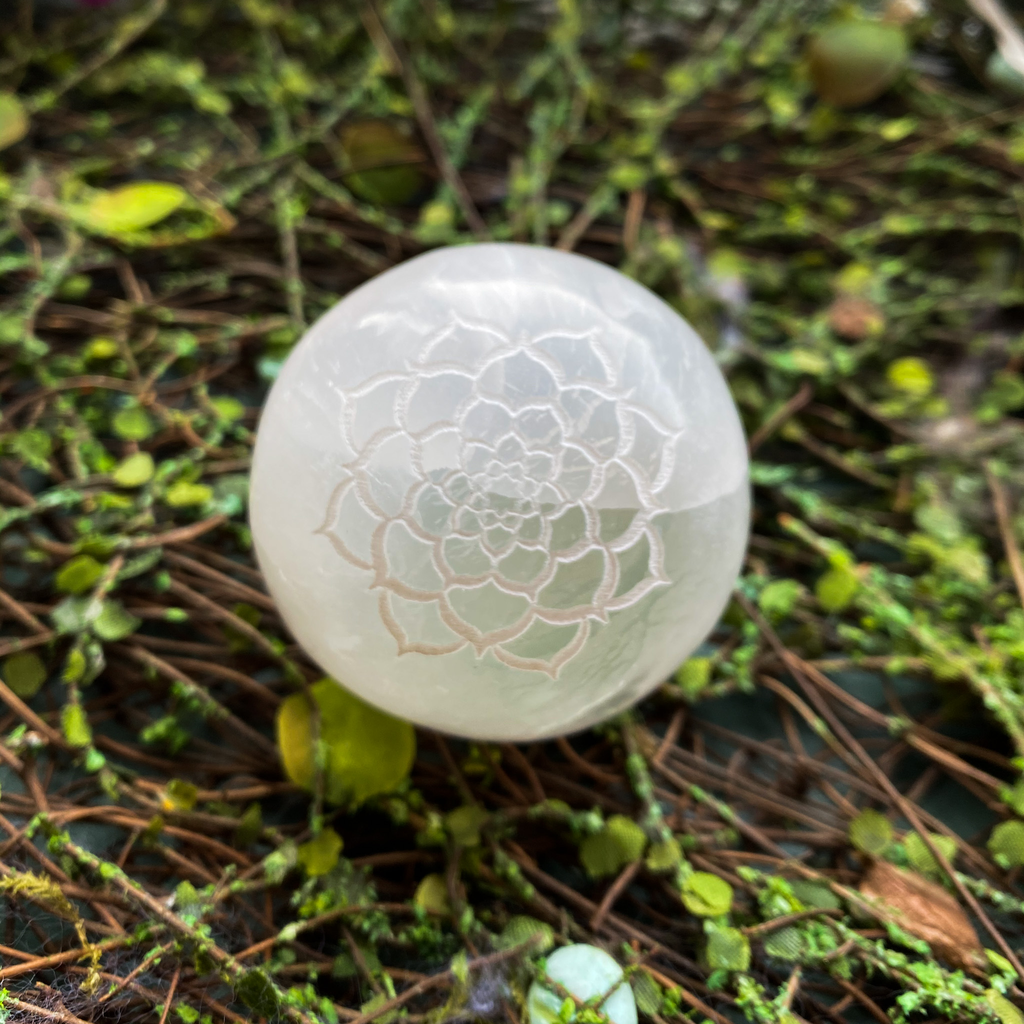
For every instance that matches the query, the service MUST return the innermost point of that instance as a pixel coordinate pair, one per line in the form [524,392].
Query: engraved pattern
[504,494]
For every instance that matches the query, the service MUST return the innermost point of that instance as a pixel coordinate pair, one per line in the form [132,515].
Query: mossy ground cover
[818,818]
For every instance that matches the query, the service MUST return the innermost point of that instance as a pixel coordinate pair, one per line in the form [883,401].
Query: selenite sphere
[500,491]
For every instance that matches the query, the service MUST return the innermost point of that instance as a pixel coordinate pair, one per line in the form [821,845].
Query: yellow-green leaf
[24,673]
[521,929]
[78,575]
[693,676]
[853,62]
[13,120]
[1006,843]
[912,376]
[77,730]
[921,858]
[432,895]
[707,895]
[728,949]
[383,160]
[182,494]
[132,207]
[664,856]
[836,588]
[321,854]
[871,832]
[619,843]
[463,824]
[367,751]
[135,470]
[179,795]
[132,424]
[1004,1009]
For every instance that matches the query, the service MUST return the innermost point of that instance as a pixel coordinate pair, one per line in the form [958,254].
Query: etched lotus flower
[504,494]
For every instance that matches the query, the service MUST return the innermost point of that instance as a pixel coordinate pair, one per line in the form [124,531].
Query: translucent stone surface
[500,491]
[587,972]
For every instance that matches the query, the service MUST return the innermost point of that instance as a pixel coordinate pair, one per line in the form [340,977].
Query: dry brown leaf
[925,910]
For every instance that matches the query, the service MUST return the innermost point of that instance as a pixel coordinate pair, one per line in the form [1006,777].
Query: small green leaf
[521,929]
[693,677]
[228,409]
[912,376]
[131,207]
[182,494]
[728,949]
[321,854]
[853,62]
[101,348]
[779,598]
[113,622]
[619,843]
[132,424]
[382,161]
[836,588]
[24,673]
[13,120]
[463,824]
[707,895]
[1006,843]
[259,993]
[250,826]
[814,895]
[368,751]
[432,895]
[785,944]
[647,993]
[135,470]
[871,832]
[920,856]
[179,796]
[664,856]
[77,730]
[1003,1008]
[78,575]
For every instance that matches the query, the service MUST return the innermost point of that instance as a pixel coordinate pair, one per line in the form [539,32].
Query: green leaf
[180,796]
[182,494]
[259,993]
[131,207]
[33,446]
[836,588]
[228,409]
[693,677]
[113,622]
[70,615]
[853,62]
[78,575]
[912,376]
[463,824]
[647,993]
[383,161]
[779,598]
[77,730]
[432,895]
[135,470]
[707,895]
[1003,1008]
[132,424]
[920,856]
[250,825]
[522,929]
[871,832]
[368,751]
[1006,844]
[13,120]
[728,949]
[814,895]
[24,673]
[619,843]
[321,854]
[664,856]
[785,944]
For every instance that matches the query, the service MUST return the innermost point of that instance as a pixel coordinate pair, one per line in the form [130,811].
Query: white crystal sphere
[500,491]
